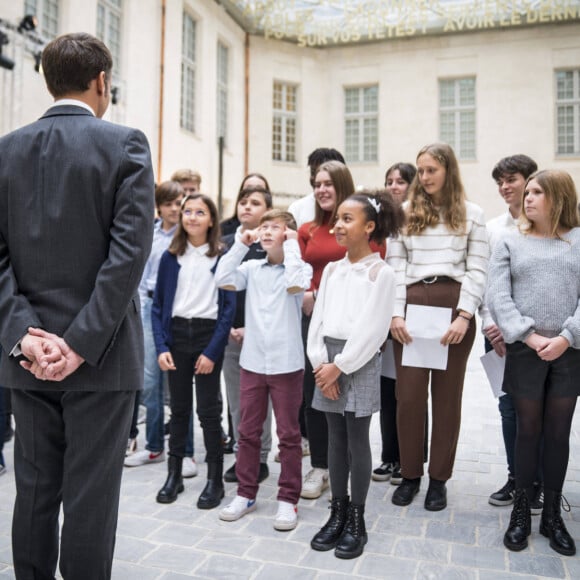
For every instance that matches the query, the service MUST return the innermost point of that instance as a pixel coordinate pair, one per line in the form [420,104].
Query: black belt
[199,322]
[150,293]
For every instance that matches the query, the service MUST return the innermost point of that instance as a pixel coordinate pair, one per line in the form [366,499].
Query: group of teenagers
[296,308]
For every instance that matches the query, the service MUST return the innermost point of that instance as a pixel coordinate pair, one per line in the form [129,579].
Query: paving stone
[129,549]
[137,527]
[429,571]
[477,557]
[174,559]
[539,565]
[134,571]
[227,568]
[278,550]
[386,567]
[422,549]
[270,571]
[178,534]
[327,561]
[458,533]
[401,526]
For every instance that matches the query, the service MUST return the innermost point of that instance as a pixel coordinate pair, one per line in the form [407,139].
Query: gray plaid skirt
[360,392]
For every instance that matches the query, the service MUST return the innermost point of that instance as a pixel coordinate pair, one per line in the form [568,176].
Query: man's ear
[102,83]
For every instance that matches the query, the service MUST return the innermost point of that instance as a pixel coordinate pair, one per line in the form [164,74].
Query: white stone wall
[514,69]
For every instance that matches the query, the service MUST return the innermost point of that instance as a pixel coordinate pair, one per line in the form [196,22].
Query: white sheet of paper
[494,366]
[388,361]
[426,324]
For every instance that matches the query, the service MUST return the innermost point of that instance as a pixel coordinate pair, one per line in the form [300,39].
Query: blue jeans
[152,395]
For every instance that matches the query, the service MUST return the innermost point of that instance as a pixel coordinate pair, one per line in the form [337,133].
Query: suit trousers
[69,449]
[412,391]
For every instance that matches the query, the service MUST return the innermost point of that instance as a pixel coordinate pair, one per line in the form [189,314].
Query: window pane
[565,85]
[352,139]
[447,128]
[446,93]
[370,142]
[351,100]
[371,99]
[466,91]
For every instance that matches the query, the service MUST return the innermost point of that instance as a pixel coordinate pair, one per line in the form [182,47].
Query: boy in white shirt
[272,359]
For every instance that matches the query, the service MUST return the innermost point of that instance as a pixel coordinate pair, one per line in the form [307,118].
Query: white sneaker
[143,458]
[239,507]
[287,517]
[315,482]
[131,446]
[189,467]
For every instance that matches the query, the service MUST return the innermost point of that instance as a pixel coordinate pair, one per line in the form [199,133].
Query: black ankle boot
[405,493]
[436,498]
[213,492]
[174,483]
[516,536]
[331,531]
[354,536]
[552,526]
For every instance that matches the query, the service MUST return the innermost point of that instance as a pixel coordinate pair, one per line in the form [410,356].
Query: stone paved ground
[178,541]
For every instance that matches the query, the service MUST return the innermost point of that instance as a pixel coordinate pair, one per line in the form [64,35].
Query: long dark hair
[179,242]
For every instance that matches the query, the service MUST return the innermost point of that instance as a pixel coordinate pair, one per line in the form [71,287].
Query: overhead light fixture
[28,23]
[5,62]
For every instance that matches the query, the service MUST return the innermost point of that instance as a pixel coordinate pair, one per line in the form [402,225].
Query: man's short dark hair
[521,164]
[71,61]
[322,155]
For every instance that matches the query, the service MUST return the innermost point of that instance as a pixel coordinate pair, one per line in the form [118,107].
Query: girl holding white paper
[534,297]
[440,260]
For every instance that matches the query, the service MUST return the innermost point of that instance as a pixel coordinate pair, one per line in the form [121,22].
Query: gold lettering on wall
[352,21]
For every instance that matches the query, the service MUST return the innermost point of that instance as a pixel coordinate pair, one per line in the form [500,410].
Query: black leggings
[349,451]
[552,418]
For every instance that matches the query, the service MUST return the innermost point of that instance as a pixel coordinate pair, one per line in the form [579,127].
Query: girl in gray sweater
[533,295]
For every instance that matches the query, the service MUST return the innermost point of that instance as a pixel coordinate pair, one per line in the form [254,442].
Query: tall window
[222,90]
[47,13]
[457,115]
[361,123]
[568,112]
[109,14]
[188,56]
[284,122]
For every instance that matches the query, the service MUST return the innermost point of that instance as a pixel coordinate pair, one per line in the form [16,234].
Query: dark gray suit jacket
[76,223]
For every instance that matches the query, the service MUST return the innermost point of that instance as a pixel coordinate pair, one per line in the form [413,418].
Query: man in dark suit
[76,217]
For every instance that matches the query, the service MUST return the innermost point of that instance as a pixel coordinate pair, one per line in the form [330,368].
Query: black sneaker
[384,472]
[537,501]
[505,495]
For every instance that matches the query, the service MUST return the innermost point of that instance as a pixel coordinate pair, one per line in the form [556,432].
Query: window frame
[457,109]
[287,119]
[188,86]
[360,119]
[573,102]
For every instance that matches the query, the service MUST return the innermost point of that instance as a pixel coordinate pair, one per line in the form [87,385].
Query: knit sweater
[439,251]
[534,286]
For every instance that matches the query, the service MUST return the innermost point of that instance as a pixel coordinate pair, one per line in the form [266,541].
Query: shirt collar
[200,251]
[74,102]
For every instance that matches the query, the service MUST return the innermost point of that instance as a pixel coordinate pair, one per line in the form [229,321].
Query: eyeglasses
[199,213]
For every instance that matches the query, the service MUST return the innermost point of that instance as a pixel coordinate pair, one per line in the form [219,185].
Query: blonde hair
[283,216]
[560,193]
[421,213]
[182,175]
